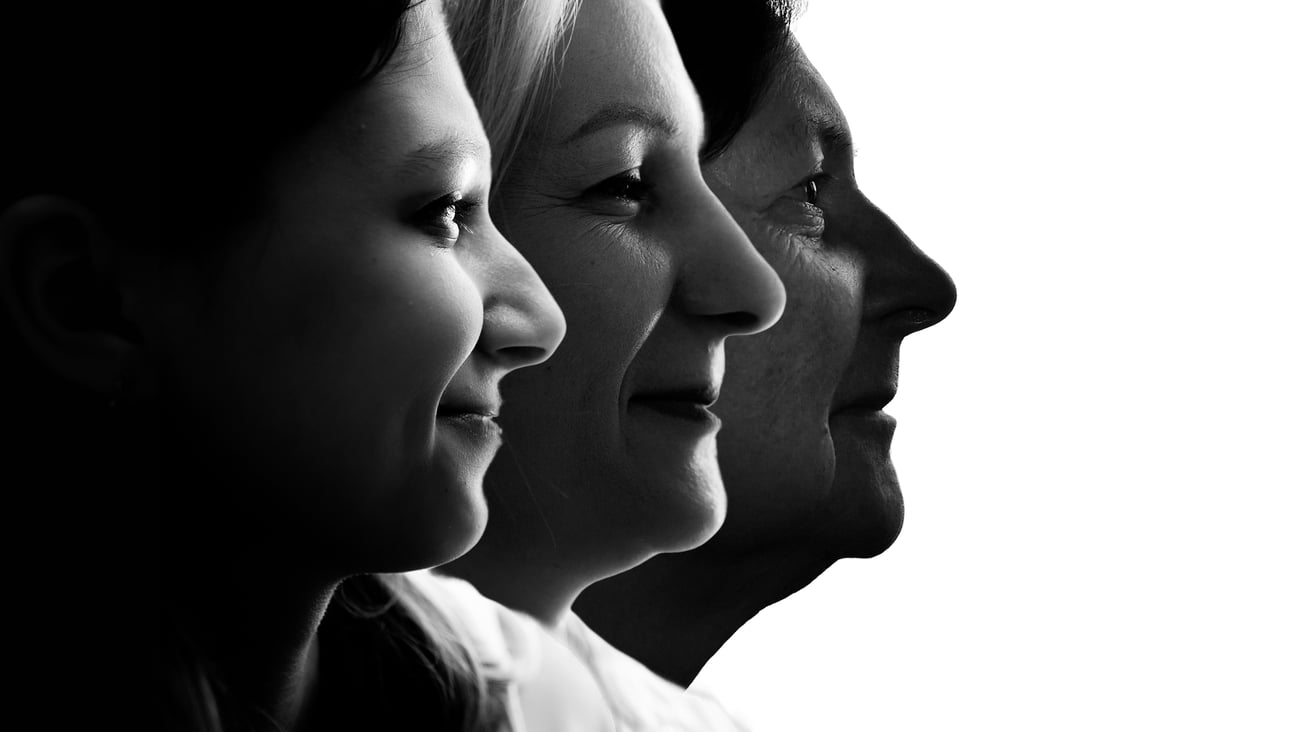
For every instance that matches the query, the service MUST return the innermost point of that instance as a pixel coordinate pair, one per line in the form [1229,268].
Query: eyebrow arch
[616,114]
[441,154]
[828,129]
[836,137]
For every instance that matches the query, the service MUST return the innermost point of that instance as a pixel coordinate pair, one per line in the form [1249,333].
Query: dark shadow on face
[611,453]
[804,446]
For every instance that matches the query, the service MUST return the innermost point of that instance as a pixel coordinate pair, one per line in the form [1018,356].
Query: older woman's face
[343,365]
[805,447]
[612,444]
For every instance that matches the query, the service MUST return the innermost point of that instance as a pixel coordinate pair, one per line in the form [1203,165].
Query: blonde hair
[457,669]
[510,52]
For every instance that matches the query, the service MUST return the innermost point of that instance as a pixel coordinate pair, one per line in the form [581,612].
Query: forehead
[417,108]
[799,108]
[622,56]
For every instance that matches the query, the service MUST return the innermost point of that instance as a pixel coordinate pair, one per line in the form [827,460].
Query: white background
[1098,448]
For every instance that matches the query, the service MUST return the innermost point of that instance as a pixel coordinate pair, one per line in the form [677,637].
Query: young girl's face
[338,368]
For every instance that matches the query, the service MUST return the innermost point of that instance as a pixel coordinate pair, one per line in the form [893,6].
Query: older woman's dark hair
[731,49]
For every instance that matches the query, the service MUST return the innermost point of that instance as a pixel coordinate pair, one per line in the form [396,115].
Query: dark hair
[166,123]
[250,77]
[256,76]
[731,49]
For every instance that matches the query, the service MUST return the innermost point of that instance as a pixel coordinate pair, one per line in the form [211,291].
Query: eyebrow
[617,114]
[440,154]
[827,128]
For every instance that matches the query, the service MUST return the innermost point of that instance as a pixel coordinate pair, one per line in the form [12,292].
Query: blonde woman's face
[612,444]
[344,365]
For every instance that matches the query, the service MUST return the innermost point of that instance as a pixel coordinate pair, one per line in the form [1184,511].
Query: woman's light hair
[510,53]
[448,640]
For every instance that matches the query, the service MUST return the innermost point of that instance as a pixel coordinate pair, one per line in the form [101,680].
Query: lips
[864,403]
[475,422]
[689,402]
[478,415]
[457,411]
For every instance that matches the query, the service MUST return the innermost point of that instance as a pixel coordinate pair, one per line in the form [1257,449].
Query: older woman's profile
[804,449]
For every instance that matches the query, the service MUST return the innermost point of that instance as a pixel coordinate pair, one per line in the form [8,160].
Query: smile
[686,404]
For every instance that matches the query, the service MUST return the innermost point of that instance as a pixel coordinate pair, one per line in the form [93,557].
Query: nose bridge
[904,288]
[522,323]
[723,277]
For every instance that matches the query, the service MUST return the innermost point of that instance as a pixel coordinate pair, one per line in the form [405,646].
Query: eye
[445,218]
[626,188]
[800,209]
[810,191]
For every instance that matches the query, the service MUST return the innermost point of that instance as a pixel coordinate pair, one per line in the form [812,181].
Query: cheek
[330,370]
[612,287]
[445,309]
[807,351]
[400,324]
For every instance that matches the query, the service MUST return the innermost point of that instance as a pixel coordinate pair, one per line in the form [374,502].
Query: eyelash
[626,186]
[433,218]
[814,183]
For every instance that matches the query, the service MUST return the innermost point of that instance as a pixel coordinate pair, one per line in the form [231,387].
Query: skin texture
[340,351]
[652,275]
[340,347]
[804,446]
[316,374]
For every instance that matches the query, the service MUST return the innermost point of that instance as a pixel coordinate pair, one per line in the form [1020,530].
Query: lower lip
[679,410]
[866,417]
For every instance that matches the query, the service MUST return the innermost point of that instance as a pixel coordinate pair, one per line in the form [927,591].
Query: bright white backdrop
[1099,447]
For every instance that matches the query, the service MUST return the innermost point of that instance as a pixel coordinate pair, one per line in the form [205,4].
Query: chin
[874,521]
[445,519]
[867,505]
[687,517]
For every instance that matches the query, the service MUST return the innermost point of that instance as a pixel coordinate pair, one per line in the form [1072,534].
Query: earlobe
[62,294]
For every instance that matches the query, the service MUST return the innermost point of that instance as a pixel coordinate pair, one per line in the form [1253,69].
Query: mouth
[869,403]
[690,403]
[458,410]
[476,419]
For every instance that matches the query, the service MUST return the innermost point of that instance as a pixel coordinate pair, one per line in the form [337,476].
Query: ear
[64,294]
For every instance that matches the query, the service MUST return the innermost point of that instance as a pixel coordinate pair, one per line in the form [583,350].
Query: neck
[675,611]
[533,579]
[254,623]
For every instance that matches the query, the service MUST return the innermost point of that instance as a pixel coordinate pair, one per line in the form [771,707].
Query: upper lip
[705,394]
[459,407]
[873,401]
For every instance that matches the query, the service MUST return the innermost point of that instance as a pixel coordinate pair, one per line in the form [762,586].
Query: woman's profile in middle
[610,455]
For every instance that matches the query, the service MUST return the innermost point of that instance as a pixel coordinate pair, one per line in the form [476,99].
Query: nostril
[518,356]
[910,320]
[740,321]
[920,317]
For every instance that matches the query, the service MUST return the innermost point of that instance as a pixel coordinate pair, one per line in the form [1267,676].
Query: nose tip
[934,295]
[524,332]
[906,290]
[522,323]
[730,282]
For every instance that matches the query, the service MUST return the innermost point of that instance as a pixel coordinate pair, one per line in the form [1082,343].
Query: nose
[522,323]
[723,278]
[905,290]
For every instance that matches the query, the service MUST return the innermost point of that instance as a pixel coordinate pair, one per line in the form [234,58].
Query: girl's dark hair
[248,78]
[731,49]
[245,78]
[163,125]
